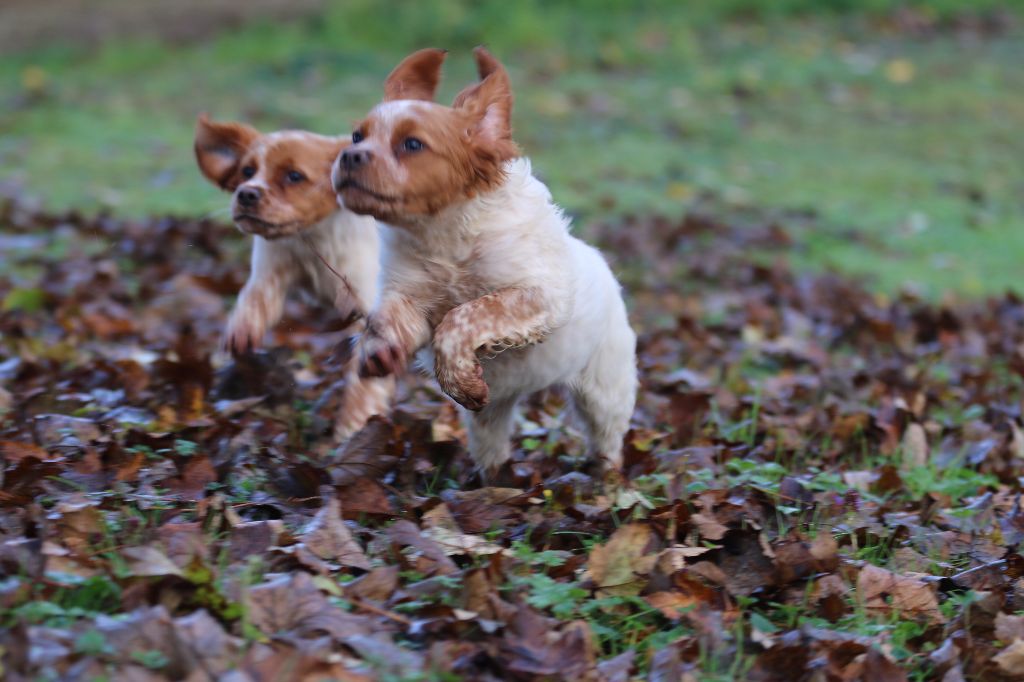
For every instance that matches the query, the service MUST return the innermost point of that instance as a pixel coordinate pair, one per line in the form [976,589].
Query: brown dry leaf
[293,604]
[479,510]
[77,521]
[440,526]
[294,661]
[1011,659]
[61,560]
[406,533]
[148,561]
[859,480]
[538,646]
[370,453]
[878,668]
[329,538]
[946,662]
[379,584]
[883,591]
[617,669]
[616,566]
[796,559]
[60,429]
[830,595]
[253,538]
[1009,628]
[13,451]
[215,649]
[190,643]
[365,496]
[667,665]
[129,469]
[744,564]
[709,527]
[389,660]
[196,474]
[183,541]
[685,413]
[915,445]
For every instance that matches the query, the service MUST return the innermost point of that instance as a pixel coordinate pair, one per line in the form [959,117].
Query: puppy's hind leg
[604,395]
[490,432]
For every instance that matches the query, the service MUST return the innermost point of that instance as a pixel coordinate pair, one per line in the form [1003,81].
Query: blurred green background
[897,126]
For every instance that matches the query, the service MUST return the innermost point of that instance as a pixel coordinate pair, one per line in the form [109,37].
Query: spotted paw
[464,383]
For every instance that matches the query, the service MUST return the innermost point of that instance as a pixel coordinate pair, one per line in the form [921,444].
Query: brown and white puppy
[479,264]
[302,240]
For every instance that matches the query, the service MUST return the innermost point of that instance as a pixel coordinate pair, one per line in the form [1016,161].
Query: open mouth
[349,183]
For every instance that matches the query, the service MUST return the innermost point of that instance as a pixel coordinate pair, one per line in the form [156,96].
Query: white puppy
[303,241]
[480,261]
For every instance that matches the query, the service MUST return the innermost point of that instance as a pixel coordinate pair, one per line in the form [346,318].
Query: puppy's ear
[220,147]
[416,77]
[490,100]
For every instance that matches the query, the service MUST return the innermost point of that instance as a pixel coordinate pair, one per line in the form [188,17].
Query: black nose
[354,158]
[249,196]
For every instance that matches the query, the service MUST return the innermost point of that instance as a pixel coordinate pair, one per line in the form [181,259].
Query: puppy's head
[279,181]
[411,157]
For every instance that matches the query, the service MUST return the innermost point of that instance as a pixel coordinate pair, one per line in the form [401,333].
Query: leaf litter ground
[821,482]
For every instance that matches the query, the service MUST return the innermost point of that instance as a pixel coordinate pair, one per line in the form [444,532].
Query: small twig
[391,615]
[998,563]
[344,280]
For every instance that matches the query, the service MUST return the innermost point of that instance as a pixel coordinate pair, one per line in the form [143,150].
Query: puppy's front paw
[241,338]
[464,382]
[379,358]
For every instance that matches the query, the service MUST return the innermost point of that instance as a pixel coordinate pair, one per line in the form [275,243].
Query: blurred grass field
[905,144]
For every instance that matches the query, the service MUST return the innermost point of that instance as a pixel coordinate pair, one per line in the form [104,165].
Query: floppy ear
[490,100]
[219,147]
[416,77]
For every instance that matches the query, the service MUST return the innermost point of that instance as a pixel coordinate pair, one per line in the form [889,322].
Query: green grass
[913,143]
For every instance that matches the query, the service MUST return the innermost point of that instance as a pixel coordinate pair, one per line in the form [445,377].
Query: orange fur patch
[464,146]
[225,150]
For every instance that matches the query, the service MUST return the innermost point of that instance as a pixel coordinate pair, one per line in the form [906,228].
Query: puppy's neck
[464,222]
[325,228]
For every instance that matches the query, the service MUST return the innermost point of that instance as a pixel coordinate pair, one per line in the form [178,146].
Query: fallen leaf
[915,445]
[406,533]
[329,538]
[1011,659]
[615,566]
[14,451]
[291,603]
[149,561]
[1009,628]
[441,527]
[882,591]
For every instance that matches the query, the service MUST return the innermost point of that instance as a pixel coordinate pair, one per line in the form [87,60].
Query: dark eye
[295,176]
[248,172]
[357,137]
[411,144]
